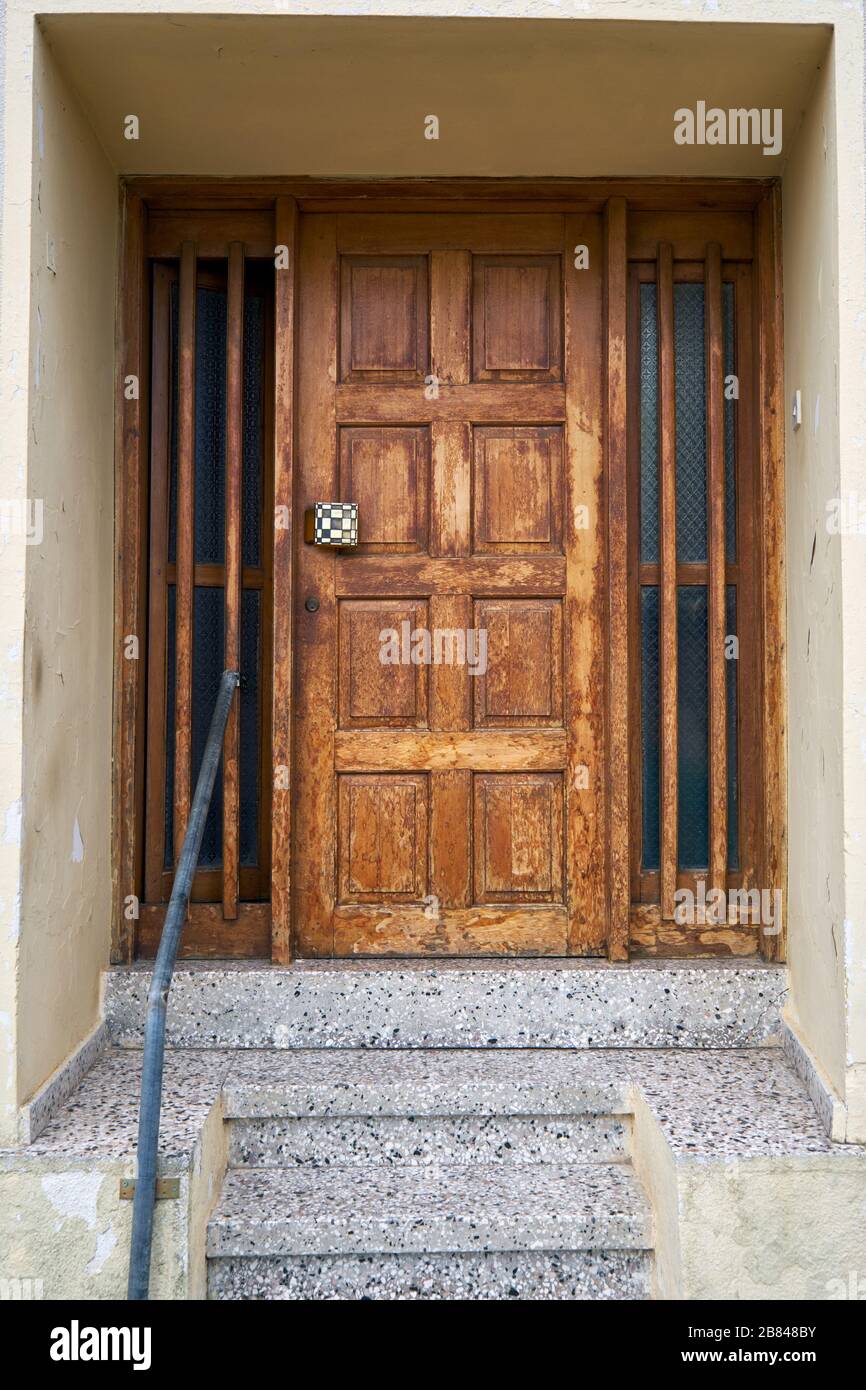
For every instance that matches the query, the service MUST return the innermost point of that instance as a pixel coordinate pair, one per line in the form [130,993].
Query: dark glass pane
[172,438]
[168,852]
[253,428]
[207,667]
[649,626]
[649,426]
[210,426]
[693,722]
[732,667]
[690,372]
[249,730]
[730,426]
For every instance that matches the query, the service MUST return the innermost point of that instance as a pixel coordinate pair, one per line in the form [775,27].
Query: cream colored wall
[65,864]
[824,358]
[540,107]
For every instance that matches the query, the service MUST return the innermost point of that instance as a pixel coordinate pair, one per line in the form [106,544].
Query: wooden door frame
[268,213]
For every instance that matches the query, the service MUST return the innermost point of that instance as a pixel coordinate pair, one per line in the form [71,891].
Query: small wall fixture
[797,411]
[331,523]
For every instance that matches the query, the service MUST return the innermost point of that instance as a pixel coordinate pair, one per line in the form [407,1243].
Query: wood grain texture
[450,839]
[390,749]
[185,545]
[481,402]
[159,577]
[585,591]
[507,574]
[233,562]
[472,931]
[207,935]
[130,607]
[285,233]
[668,587]
[771,409]
[450,504]
[717,694]
[617,531]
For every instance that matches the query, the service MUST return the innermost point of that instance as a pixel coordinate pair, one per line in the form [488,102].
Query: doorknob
[331,523]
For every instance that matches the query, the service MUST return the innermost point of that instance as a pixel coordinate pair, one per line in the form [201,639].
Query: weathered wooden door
[449,680]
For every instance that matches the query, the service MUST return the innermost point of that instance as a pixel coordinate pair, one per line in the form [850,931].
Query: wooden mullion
[668,587]
[615,291]
[130,610]
[718,751]
[159,582]
[185,545]
[233,564]
[285,314]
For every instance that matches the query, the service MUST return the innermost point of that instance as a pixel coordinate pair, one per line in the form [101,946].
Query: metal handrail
[157,1000]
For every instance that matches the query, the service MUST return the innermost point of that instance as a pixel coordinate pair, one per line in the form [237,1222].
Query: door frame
[265,214]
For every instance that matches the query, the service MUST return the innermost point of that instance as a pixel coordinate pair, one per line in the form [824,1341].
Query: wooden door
[449,678]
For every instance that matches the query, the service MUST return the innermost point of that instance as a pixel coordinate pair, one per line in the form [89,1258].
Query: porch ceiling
[270,95]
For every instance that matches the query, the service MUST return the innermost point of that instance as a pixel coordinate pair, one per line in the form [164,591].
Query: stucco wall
[60,819]
[56,393]
[824,304]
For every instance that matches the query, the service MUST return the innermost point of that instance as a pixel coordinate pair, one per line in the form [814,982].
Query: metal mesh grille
[210,427]
[207,667]
[730,419]
[690,373]
[171,619]
[693,726]
[249,726]
[731,674]
[649,426]
[253,428]
[649,604]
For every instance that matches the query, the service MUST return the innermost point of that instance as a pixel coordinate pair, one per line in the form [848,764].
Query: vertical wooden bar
[772,493]
[233,563]
[185,544]
[668,586]
[585,791]
[164,280]
[617,530]
[718,721]
[129,666]
[316,790]
[285,317]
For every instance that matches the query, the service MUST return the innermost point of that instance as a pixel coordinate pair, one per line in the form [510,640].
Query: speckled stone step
[329,1141]
[457,1003]
[428,1210]
[538,1274]
[337,1106]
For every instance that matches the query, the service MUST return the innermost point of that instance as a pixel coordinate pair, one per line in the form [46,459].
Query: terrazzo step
[457,1003]
[597,1275]
[326,1141]
[339,1106]
[435,1209]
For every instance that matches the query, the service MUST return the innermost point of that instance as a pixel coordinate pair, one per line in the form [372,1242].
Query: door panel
[440,749]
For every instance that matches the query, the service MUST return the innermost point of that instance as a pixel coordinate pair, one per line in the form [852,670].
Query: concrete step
[332,1141]
[457,1003]
[338,1106]
[526,1274]
[431,1209]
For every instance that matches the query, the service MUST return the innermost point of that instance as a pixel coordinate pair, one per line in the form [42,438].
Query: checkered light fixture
[335,523]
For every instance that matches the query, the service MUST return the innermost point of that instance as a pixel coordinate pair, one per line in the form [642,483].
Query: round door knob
[312,605]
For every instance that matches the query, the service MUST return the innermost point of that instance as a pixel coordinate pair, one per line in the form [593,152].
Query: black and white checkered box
[335,523]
